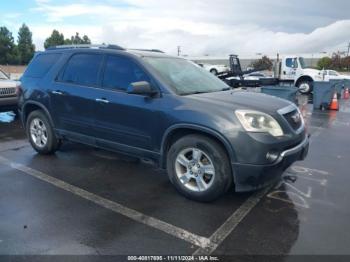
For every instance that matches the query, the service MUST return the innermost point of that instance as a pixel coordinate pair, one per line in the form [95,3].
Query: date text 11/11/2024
[173,258]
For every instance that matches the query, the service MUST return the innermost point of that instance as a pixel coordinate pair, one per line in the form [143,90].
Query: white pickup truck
[8,96]
[293,69]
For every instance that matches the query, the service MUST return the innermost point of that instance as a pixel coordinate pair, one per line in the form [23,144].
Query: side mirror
[141,88]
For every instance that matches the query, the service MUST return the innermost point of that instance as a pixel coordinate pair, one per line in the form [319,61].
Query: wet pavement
[57,204]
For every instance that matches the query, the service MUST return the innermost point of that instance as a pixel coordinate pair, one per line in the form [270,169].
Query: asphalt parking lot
[86,201]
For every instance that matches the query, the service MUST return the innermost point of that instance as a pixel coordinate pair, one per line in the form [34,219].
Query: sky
[200,27]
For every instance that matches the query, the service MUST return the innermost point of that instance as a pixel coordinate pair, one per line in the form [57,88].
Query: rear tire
[40,133]
[199,168]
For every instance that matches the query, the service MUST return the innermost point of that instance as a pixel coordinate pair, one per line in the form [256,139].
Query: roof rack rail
[149,50]
[115,47]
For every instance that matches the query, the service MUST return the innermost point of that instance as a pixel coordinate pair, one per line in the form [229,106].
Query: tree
[86,40]
[324,63]
[25,45]
[346,62]
[56,38]
[336,61]
[7,46]
[14,57]
[77,40]
[264,63]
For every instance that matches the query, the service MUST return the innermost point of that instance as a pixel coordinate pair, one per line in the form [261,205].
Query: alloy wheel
[38,132]
[195,169]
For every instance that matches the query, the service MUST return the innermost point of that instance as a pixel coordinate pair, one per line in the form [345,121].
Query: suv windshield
[184,77]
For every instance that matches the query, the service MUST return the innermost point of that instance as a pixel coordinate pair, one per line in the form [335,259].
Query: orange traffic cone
[334,104]
[346,93]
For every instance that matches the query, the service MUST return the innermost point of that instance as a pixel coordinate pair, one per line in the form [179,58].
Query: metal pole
[178,50]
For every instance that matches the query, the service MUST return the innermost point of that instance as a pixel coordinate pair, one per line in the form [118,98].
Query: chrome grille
[7,91]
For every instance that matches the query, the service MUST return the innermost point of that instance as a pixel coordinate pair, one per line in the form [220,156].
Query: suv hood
[232,100]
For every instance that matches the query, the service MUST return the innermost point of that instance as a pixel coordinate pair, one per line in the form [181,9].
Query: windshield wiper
[203,92]
[223,89]
[195,92]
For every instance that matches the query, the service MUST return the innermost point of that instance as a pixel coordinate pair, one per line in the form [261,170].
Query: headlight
[255,121]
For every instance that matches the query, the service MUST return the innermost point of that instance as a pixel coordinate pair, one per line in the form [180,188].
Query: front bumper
[8,103]
[250,177]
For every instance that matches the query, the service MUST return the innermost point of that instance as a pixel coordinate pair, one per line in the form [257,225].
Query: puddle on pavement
[7,117]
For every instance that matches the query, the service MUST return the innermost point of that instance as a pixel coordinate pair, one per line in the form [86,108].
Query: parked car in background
[214,69]
[166,109]
[8,96]
[332,74]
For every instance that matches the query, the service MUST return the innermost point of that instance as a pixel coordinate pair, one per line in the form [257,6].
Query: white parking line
[175,231]
[206,245]
[231,223]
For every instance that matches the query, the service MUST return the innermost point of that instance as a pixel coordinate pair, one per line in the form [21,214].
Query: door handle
[102,100]
[57,92]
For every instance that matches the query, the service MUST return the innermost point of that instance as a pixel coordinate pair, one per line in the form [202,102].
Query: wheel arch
[175,132]
[31,106]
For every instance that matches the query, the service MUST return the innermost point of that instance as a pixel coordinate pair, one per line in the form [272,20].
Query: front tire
[199,168]
[305,87]
[40,133]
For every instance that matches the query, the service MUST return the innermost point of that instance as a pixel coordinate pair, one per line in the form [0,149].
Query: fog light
[272,156]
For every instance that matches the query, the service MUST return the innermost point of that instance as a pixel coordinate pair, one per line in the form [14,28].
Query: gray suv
[150,105]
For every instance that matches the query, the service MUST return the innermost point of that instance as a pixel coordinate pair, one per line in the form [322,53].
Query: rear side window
[120,72]
[41,64]
[82,69]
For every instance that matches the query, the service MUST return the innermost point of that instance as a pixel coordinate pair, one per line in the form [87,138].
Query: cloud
[41,32]
[203,27]
[11,19]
